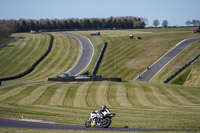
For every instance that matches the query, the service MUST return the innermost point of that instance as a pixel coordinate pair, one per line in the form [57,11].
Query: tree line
[6,29]
[25,25]
[194,22]
[164,23]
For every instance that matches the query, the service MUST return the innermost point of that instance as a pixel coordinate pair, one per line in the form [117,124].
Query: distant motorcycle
[98,119]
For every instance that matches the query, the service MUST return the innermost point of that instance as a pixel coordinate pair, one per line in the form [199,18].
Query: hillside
[29,47]
[18,56]
[190,76]
[127,58]
[137,104]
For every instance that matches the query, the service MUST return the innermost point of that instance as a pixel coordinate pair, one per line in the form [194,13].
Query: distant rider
[103,112]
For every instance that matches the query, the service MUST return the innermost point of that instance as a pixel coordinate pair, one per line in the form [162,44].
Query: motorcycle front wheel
[88,123]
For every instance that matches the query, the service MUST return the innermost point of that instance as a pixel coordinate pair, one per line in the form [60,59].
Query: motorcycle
[98,119]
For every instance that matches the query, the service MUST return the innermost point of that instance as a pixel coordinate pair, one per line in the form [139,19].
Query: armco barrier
[181,69]
[33,66]
[90,78]
[94,71]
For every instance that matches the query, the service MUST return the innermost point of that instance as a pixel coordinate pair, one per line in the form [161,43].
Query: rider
[102,113]
[104,110]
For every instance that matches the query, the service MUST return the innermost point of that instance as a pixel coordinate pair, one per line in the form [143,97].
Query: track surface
[8,123]
[20,82]
[147,75]
[3,44]
[86,55]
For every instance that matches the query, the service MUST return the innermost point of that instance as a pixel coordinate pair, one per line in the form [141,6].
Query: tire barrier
[94,71]
[83,79]
[29,70]
[181,69]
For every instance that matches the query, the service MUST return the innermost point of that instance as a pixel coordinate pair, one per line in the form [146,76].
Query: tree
[32,25]
[138,24]
[145,20]
[196,22]
[4,31]
[48,24]
[188,22]
[156,22]
[165,23]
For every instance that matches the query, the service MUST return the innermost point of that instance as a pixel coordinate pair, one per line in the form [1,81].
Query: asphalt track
[10,123]
[3,44]
[155,68]
[86,55]
[20,82]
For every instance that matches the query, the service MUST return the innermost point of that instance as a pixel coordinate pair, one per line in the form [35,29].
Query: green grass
[127,58]
[7,130]
[23,53]
[136,104]
[19,55]
[188,77]
[124,58]
[182,78]
[6,40]
[64,54]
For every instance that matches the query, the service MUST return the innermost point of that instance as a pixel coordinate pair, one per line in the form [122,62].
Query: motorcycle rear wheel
[106,123]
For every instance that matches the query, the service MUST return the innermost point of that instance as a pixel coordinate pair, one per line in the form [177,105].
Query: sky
[177,12]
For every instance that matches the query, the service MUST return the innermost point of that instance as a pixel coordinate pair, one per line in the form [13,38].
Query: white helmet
[104,107]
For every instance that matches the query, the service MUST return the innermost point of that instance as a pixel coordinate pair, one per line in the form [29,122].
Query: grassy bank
[136,104]
[64,54]
[6,40]
[123,58]
[127,58]
[4,130]
[188,77]
[19,55]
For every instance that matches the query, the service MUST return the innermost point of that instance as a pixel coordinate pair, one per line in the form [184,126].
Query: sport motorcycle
[99,119]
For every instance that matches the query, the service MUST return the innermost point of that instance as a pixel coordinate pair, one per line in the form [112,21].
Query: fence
[33,66]
[181,69]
